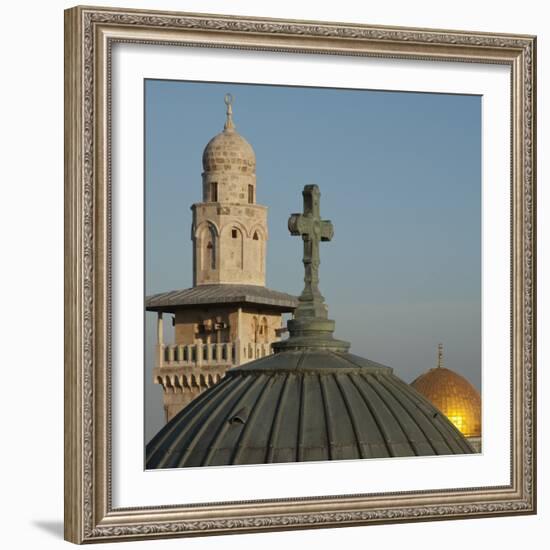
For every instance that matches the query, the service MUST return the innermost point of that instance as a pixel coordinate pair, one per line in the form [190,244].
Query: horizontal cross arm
[327,230]
[298,224]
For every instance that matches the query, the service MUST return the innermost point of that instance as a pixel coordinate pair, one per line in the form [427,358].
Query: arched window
[250,194]
[207,245]
[255,236]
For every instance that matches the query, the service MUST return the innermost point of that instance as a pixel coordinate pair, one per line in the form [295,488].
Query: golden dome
[453,395]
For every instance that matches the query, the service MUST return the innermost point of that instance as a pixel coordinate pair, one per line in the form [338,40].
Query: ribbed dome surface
[229,151]
[454,396]
[305,405]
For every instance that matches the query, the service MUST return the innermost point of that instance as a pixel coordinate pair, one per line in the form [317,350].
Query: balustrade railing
[232,353]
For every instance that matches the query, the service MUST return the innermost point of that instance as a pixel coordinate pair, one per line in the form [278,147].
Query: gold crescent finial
[228,100]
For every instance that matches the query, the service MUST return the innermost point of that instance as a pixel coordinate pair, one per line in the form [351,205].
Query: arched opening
[257,249]
[207,245]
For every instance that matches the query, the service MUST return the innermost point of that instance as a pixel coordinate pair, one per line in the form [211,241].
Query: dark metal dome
[305,405]
[311,400]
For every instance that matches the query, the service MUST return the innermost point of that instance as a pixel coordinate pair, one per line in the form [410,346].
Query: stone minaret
[229,229]
[228,317]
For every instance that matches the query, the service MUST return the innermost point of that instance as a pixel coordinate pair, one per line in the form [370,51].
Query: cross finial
[439,356]
[313,230]
[228,100]
[311,327]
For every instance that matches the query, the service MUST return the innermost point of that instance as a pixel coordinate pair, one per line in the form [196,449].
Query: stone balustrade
[229,354]
[181,355]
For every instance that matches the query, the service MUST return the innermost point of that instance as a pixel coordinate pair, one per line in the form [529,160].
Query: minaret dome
[229,165]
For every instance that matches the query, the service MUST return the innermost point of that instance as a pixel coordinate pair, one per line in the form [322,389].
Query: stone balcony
[185,367]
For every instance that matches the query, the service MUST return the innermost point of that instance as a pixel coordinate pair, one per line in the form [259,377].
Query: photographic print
[300,276]
[313,274]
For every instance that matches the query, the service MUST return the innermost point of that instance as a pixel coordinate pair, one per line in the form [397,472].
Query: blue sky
[400,177]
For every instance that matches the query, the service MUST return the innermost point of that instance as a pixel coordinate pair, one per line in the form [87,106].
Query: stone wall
[248,325]
[199,325]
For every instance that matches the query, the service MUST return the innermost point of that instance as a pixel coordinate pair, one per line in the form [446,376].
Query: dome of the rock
[453,395]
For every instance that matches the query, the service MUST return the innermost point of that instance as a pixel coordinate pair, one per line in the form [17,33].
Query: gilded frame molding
[89,34]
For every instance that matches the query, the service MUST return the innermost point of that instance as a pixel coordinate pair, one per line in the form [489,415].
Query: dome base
[311,333]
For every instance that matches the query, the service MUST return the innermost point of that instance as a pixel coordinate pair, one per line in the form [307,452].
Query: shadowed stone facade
[228,318]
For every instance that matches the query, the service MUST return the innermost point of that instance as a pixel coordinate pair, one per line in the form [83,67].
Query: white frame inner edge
[132,485]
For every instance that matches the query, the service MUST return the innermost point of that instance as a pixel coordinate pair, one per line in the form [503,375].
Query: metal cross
[313,230]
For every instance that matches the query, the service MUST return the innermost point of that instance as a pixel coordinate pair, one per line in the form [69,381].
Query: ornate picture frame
[90,34]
